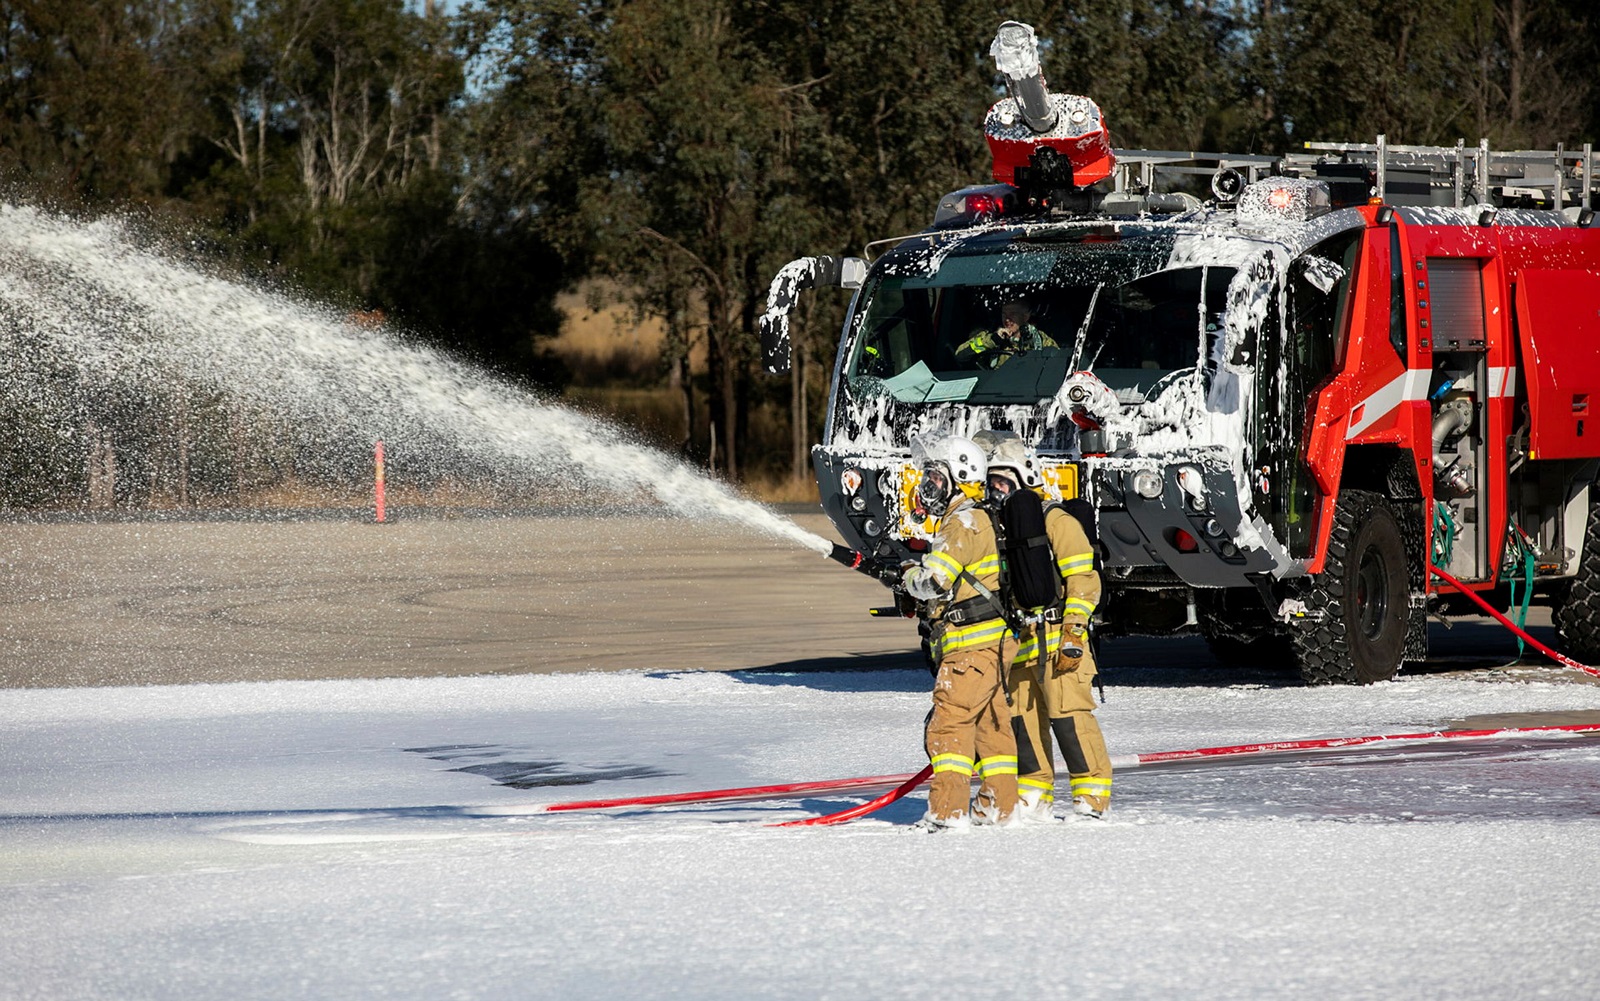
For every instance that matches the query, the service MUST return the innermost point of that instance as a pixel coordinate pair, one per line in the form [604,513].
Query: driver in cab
[991,349]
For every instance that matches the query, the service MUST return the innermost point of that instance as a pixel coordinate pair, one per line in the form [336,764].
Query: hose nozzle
[850,558]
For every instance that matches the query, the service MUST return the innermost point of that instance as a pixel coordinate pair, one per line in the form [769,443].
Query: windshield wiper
[1083,333]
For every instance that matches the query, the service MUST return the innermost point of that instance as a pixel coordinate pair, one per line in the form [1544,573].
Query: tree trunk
[182,414]
[680,376]
[1516,56]
[799,423]
[797,416]
[724,409]
[730,415]
[101,466]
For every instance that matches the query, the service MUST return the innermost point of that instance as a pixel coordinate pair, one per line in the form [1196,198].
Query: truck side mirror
[792,279]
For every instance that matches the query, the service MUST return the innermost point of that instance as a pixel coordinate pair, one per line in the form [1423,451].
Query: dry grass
[598,322]
[292,494]
[443,495]
[602,341]
[656,413]
[783,489]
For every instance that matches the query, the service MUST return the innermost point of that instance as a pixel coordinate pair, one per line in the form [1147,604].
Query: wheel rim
[1372,593]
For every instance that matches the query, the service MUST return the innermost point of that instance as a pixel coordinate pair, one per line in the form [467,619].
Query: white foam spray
[89,297]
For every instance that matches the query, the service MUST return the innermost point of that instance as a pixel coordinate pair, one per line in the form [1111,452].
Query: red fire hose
[788,790]
[865,808]
[1156,758]
[1337,743]
[1558,658]
[904,784]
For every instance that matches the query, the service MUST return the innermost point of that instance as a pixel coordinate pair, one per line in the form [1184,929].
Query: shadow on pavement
[1180,662]
[1470,645]
[886,672]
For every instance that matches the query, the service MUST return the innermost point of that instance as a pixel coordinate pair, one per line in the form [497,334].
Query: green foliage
[457,171]
[92,100]
[1423,72]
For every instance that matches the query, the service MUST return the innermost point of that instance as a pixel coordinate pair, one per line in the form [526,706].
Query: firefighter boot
[997,760]
[1035,805]
[1088,764]
[929,824]
[1030,725]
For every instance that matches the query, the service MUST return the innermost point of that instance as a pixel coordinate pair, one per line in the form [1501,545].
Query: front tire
[1356,611]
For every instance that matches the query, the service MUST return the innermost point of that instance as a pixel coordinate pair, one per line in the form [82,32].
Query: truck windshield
[1006,320]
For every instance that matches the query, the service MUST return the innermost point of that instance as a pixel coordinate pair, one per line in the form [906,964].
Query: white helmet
[948,458]
[1007,450]
[961,456]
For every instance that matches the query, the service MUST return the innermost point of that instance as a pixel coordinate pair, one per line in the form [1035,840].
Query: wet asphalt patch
[509,766]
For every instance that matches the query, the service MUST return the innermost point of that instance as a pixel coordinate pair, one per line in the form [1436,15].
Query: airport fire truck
[1287,402]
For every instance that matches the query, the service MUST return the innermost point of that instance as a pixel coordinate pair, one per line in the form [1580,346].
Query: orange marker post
[378,482]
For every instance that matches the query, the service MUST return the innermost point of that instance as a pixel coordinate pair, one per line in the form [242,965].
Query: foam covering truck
[1286,398]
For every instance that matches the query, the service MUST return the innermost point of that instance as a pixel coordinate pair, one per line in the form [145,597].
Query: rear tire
[1354,629]
[1577,618]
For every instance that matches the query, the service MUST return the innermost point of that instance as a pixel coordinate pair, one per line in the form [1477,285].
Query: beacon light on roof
[1284,199]
[970,206]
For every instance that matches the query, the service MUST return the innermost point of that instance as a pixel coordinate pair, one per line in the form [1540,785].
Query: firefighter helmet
[1007,450]
[947,463]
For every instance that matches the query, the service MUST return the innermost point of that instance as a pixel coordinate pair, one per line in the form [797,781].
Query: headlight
[1147,484]
[858,503]
[850,480]
[871,527]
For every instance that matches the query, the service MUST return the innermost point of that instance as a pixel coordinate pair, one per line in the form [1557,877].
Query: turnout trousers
[1060,705]
[969,732]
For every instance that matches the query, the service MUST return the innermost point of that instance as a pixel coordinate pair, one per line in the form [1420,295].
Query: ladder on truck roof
[1456,176]
[1550,179]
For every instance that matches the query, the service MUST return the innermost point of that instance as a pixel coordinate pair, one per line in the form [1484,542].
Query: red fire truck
[1285,402]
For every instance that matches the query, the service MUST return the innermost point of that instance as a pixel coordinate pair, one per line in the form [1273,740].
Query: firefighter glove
[920,583]
[1069,656]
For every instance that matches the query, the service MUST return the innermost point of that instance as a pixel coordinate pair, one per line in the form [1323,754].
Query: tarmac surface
[183,601]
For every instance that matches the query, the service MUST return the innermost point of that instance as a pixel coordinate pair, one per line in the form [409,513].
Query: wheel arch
[1392,471]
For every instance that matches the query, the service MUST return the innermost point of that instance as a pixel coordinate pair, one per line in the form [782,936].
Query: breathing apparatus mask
[1002,482]
[934,491]
[949,465]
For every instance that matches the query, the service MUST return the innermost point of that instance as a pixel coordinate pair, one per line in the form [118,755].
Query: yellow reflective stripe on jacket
[999,764]
[942,565]
[1078,606]
[1030,645]
[985,566]
[1091,786]
[1074,565]
[977,634]
[952,763]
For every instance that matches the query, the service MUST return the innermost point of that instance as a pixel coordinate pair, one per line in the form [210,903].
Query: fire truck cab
[1285,403]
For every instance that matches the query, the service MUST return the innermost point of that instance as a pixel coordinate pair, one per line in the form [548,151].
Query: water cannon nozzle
[1016,55]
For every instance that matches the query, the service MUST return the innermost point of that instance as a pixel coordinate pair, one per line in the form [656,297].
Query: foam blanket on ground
[380,839]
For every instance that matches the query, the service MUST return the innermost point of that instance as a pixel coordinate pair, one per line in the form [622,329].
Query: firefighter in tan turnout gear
[969,731]
[1053,693]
